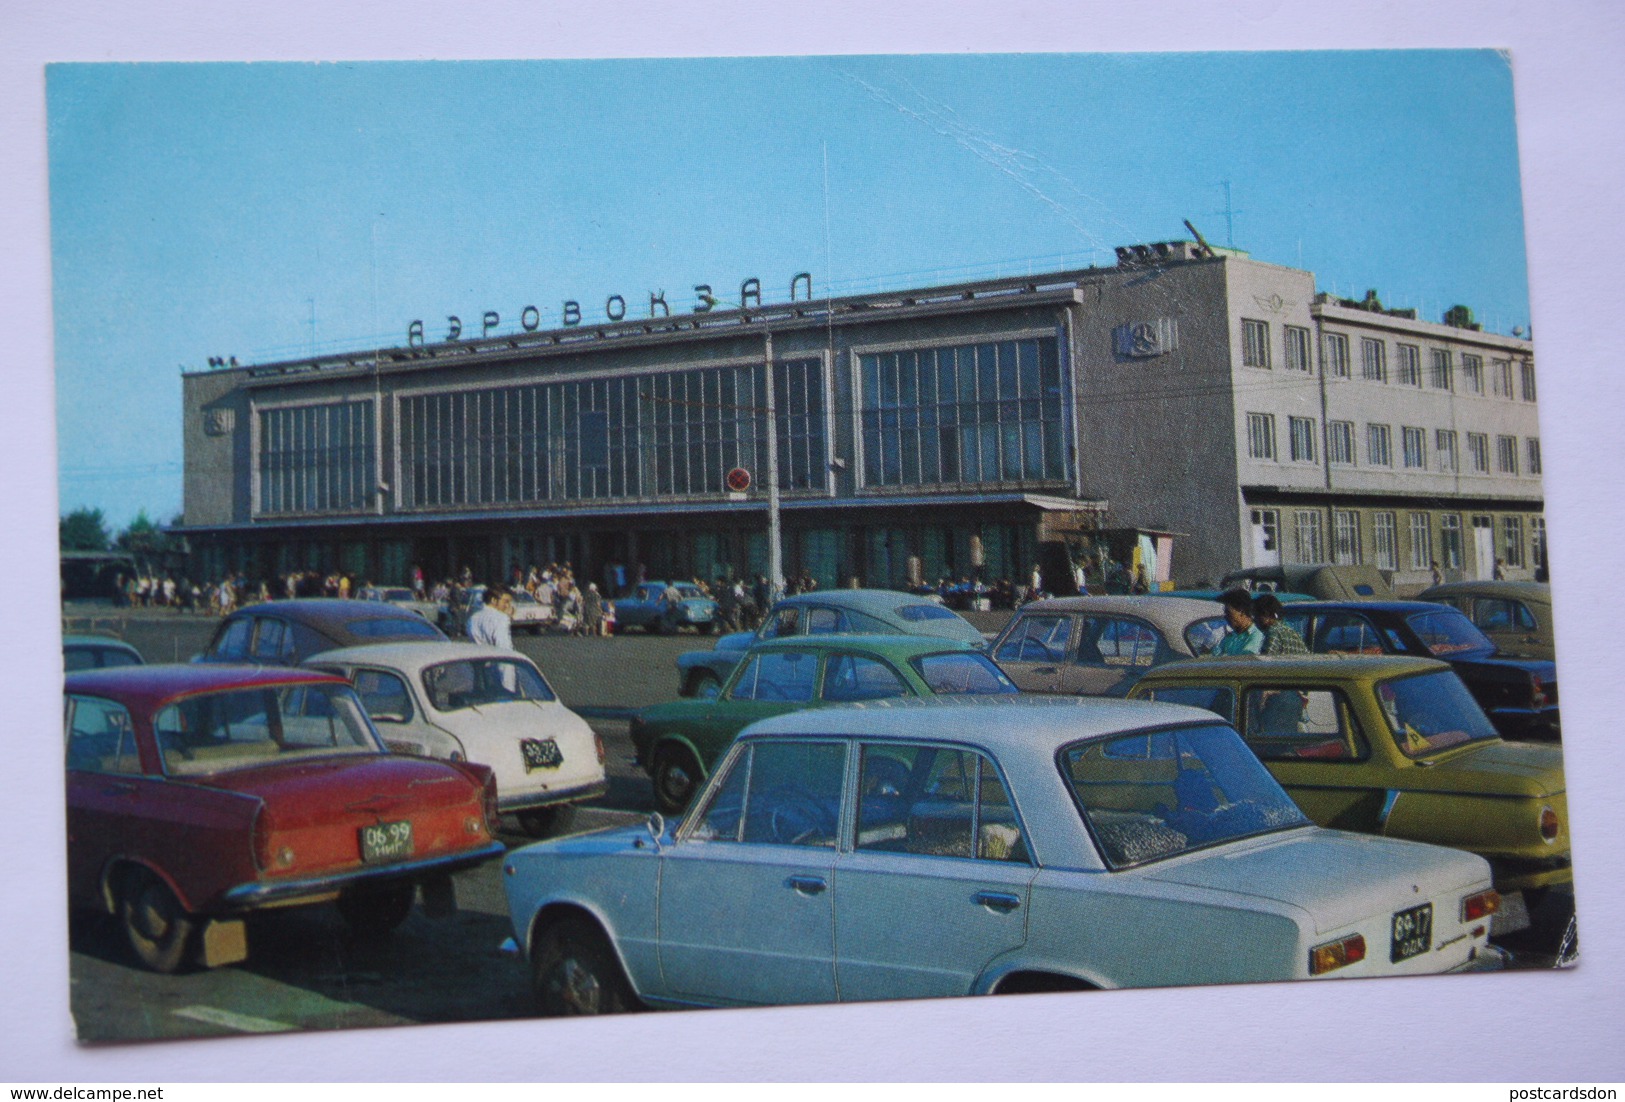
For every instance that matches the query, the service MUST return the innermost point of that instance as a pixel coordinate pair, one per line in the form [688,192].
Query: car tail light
[489,798]
[1537,693]
[1550,825]
[598,745]
[261,841]
[1336,954]
[1481,905]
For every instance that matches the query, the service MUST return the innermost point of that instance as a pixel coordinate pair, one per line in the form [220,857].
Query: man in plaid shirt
[1279,638]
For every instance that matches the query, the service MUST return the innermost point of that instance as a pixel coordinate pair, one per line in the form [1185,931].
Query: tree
[83,530]
[143,538]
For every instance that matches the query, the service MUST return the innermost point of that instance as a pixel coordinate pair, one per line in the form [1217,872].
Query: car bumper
[1485,958]
[524,801]
[272,893]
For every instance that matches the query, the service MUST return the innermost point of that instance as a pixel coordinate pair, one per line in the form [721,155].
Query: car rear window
[1447,631]
[962,674]
[1430,712]
[1203,636]
[916,613]
[391,628]
[1148,797]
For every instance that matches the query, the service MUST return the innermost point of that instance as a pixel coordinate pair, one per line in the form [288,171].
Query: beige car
[1099,646]
[1517,616]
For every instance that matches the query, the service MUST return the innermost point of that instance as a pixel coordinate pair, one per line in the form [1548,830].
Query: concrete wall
[1157,433]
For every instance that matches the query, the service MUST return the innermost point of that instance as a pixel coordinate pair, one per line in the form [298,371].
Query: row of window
[1379,446]
[963,415]
[1409,369]
[1307,544]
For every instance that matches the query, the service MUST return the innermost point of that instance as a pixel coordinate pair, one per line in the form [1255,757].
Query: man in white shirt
[491,624]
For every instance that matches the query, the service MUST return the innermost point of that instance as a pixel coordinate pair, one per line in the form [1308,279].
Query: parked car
[1394,746]
[529,614]
[401,597]
[645,607]
[285,633]
[909,850]
[95,652]
[466,702]
[835,612]
[1518,694]
[1517,616]
[200,793]
[677,743]
[1326,581]
[1096,646]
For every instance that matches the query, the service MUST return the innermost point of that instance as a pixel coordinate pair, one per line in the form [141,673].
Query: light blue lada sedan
[914,850]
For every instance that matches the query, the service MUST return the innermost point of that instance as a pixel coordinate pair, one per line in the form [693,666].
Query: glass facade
[316,458]
[668,434]
[968,415]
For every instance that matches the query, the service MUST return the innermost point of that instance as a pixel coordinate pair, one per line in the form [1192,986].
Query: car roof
[1171,614]
[903,646]
[1294,666]
[97,641]
[327,613]
[1529,591]
[1398,607]
[873,601]
[149,687]
[412,656]
[1017,725]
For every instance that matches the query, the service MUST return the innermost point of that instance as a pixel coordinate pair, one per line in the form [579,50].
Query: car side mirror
[657,828]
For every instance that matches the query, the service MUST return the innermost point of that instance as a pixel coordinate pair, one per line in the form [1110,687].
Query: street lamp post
[775,551]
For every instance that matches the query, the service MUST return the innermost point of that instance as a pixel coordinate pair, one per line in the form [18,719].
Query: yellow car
[1394,746]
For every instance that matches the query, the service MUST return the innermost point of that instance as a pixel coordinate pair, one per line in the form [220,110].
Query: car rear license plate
[540,753]
[1413,933]
[386,841]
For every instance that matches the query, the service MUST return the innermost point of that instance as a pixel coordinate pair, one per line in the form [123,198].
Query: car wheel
[157,927]
[703,684]
[374,912]
[574,971]
[707,627]
[543,822]
[676,775]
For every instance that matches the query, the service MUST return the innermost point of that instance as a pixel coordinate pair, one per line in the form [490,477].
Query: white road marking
[240,1022]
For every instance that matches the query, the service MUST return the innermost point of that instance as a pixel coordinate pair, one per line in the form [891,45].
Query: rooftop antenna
[1229,213]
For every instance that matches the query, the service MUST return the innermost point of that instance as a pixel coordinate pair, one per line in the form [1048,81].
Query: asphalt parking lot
[303,969]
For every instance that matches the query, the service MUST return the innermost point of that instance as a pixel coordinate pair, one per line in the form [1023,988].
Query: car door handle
[119,790]
[1003,902]
[1043,669]
[806,885]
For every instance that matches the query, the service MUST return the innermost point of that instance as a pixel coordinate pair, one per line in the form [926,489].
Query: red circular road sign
[738,480]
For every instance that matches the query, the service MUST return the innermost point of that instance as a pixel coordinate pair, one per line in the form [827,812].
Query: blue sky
[262,210]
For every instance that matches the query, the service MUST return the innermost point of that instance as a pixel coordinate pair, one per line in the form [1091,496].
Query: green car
[1394,746]
[678,743]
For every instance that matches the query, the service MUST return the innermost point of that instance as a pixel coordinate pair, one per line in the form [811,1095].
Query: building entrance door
[1483,548]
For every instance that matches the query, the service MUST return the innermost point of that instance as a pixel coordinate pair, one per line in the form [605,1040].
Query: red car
[199,793]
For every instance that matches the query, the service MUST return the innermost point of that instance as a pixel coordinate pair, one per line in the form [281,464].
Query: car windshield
[1152,796]
[397,595]
[962,674]
[471,682]
[1203,636]
[688,589]
[1430,712]
[243,728]
[1447,631]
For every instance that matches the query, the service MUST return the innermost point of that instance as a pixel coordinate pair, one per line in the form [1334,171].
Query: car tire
[375,912]
[545,822]
[706,628]
[574,971]
[703,685]
[157,927]
[677,775]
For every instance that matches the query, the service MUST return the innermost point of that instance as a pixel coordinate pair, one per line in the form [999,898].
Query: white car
[463,701]
[529,614]
[909,850]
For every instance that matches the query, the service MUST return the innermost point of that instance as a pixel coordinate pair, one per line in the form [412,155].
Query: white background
[1507,1028]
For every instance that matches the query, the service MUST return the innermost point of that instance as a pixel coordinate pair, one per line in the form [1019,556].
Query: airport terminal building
[1189,409]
